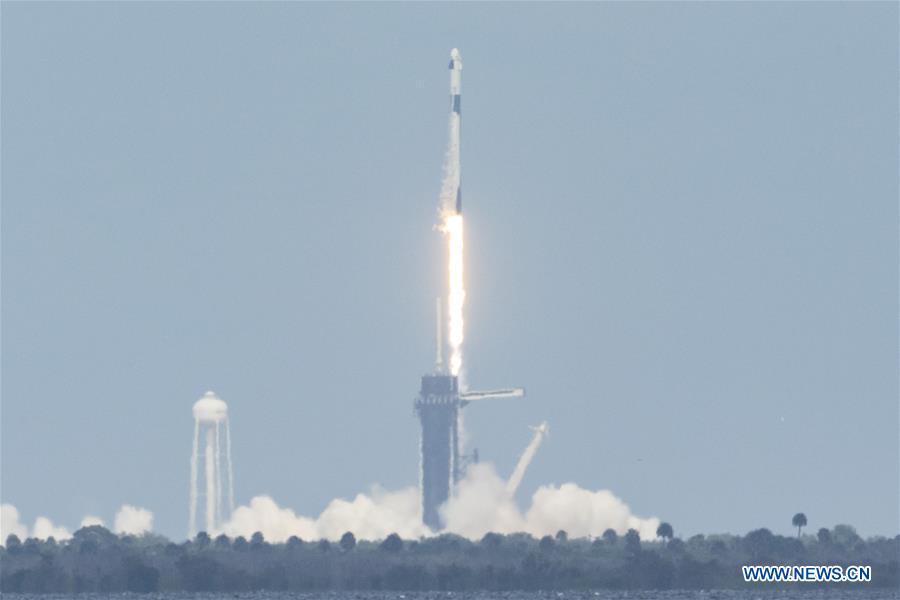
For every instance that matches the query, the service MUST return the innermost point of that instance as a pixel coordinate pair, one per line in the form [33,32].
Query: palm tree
[632,542]
[392,543]
[799,521]
[348,541]
[665,531]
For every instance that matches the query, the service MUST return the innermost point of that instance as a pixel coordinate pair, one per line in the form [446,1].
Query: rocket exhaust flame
[456,292]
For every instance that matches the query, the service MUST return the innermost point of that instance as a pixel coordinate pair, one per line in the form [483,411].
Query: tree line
[97,560]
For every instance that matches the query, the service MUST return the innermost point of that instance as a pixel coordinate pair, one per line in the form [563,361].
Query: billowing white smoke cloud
[10,524]
[133,520]
[129,519]
[372,516]
[264,515]
[43,527]
[583,512]
[482,504]
[92,520]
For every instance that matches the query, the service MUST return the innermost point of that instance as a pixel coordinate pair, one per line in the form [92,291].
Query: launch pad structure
[437,406]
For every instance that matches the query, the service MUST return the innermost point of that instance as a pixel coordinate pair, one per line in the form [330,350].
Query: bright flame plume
[456,291]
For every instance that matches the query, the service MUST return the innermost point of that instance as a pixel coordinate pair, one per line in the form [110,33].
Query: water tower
[211,429]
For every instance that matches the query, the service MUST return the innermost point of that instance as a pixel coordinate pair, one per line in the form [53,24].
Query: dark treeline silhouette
[96,560]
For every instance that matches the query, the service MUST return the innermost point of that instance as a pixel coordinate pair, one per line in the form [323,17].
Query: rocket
[456,113]
[451,192]
[455,73]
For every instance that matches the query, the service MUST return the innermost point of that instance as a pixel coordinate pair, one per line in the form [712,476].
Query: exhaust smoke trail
[515,480]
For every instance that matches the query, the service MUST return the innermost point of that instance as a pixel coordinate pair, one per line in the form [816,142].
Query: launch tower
[438,407]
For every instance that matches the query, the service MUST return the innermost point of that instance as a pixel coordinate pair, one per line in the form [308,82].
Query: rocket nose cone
[454,54]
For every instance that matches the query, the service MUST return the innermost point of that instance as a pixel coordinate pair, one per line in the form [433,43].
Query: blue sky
[681,237]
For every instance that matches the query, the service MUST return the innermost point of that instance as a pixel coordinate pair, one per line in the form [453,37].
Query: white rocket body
[451,190]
